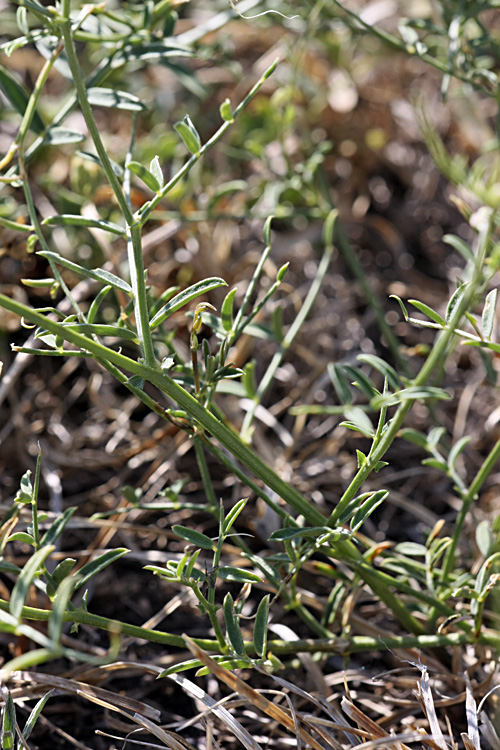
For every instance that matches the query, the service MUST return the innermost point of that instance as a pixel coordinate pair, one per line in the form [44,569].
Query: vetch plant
[419,584]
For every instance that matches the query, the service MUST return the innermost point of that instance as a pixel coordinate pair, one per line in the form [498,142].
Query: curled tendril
[232,3]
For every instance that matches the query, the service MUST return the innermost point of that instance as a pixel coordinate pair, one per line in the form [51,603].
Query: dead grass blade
[223,714]
[471,740]
[100,696]
[257,700]
[425,696]
[378,736]
[337,723]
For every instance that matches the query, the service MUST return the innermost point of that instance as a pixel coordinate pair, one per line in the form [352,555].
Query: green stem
[467,500]
[145,212]
[138,283]
[205,474]
[89,117]
[337,645]
[296,325]
[344,550]
[35,96]
[185,400]
[435,359]
[136,262]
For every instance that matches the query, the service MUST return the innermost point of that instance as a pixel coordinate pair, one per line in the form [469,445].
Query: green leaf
[15,226]
[189,569]
[90,569]
[414,393]
[361,458]
[23,583]
[358,421]
[102,329]
[226,111]
[156,171]
[165,573]
[367,508]
[98,274]
[184,297]
[145,175]
[435,435]
[59,607]
[194,537]
[227,310]
[414,436]
[101,97]
[230,573]
[231,517]
[249,380]
[456,450]
[35,714]
[57,527]
[383,367]
[361,380]
[484,537]
[454,301]
[340,383]
[282,272]
[435,463]
[19,98]
[488,317]
[8,723]
[401,304]
[150,51]
[411,549]
[25,494]
[233,626]
[60,136]
[81,221]
[63,570]
[285,535]
[189,135]
[485,345]
[21,536]
[426,310]
[260,627]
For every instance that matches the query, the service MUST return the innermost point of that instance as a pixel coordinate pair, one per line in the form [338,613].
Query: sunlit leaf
[102,97]
[184,297]
[194,537]
[488,317]
[260,627]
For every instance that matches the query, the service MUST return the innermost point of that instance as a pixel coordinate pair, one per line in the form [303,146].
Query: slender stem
[467,500]
[205,474]
[145,212]
[36,486]
[344,550]
[336,645]
[435,359]
[30,110]
[136,262]
[89,117]
[185,400]
[296,325]
[138,283]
